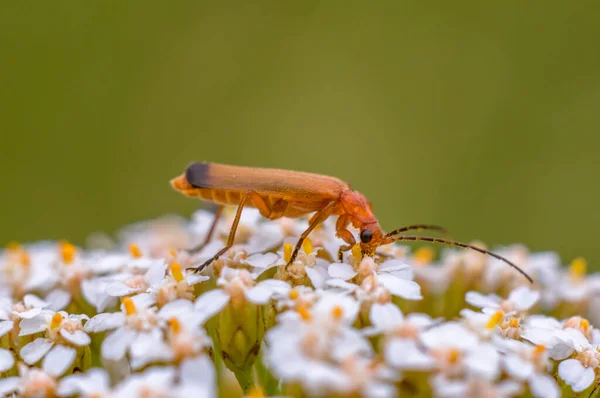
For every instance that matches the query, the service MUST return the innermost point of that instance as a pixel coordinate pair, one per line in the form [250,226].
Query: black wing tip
[197,174]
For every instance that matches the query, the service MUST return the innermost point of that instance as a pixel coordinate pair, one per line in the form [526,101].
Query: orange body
[282,193]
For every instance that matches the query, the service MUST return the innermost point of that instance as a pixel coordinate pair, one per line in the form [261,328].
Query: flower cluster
[132,318]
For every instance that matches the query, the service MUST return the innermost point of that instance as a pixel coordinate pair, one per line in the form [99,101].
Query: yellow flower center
[424,255]
[453,355]
[539,350]
[129,306]
[584,324]
[514,323]
[287,252]
[56,321]
[135,251]
[174,325]
[494,319]
[293,294]
[176,272]
[67,251]
[307,246]
[304,313]
[578,268]
[24,258]
[356,251]
[337,312]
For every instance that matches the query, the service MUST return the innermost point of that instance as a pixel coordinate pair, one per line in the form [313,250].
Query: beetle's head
[371,237]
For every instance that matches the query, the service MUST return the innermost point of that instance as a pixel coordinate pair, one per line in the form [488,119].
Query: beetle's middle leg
[315,220]
[258,202]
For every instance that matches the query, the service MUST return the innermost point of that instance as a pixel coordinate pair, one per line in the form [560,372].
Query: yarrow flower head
[136,317]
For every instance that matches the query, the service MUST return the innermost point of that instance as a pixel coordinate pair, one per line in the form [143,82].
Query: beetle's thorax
[357,207]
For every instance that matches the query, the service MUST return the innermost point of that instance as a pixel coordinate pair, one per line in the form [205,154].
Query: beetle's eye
[366,236]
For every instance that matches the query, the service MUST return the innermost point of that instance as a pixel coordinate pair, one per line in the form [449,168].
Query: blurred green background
[480,116]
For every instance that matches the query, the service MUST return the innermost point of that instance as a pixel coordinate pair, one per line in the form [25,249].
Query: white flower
[185,338]
[473,387]
[138,283]
[94,383]
[376,281]
[177,284]
[194,378]
[519,300]
[237,285]
[309,346]
[575,374]
[30,383]
[63,335]
[458,350]
[526,362]
[136,322]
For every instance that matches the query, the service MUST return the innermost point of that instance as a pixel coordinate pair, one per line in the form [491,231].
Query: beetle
[280,193]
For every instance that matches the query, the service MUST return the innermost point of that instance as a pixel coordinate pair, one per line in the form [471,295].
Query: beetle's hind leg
[259,203]
[210,233]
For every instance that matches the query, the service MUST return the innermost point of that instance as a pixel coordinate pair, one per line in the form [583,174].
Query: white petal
[484,362]
[404,288]
[193,278]
[524,298]
[449,334]
[148,348]
[32,325]
[212,302]
[78,337]
[260,260]
[542,321]
[199,370]
[479,300]
[341,271]
[385,316]
[33,301]
[397,268]
[34,351]
[543,386]
[28,314]
[263,291]
[9,384]
[176,308]
[115,344]
[317,276]
[156,273]
[517,367]
[58,360]
[338,283]
[103,322]
[141,301]
[58,299]
[575,374]
[404,354]
[95,380]
[119,289]
[7,360]
[5,327]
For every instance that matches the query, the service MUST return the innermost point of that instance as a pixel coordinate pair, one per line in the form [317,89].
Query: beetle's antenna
[417,227]
[464,246]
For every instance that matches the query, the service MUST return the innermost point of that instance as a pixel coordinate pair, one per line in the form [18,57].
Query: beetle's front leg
[349,239]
